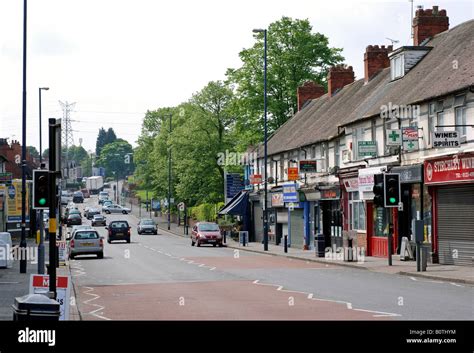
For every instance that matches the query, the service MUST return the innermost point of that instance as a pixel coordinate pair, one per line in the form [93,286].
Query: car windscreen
[208,227]
[119,225]
[74,215]
[147,222]
[86,235]
[98,217]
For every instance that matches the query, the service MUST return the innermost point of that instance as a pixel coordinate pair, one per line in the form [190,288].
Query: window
[336,153]
[460,119]
[431,121]
[440,121]
[396,67]
[356,212]
[86,235]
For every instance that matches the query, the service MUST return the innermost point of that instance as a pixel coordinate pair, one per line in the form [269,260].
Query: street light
[265,211]
[41,222]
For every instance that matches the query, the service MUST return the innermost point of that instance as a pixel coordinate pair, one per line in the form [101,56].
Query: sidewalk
[448,273]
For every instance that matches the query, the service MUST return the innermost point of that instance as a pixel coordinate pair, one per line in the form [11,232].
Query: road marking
[212,269]
[100,307]
[413,278]
[456,284]
[347,304]
[9,282]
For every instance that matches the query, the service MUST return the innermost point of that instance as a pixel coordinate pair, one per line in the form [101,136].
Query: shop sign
[5,177]
[457,168]
[366,182]
[330,194]
[410,174]
[308,166]
[351,185]
[255,179]
[443,139]
[394,138]
[277,199]
[290,194]
[293,173]
[367,149]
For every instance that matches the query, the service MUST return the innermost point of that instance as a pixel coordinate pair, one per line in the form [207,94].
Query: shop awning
[238,206]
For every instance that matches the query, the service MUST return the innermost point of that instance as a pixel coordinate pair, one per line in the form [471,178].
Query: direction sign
[290,194]
[394,137]
[446,139]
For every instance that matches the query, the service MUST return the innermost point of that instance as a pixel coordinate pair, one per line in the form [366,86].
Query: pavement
[447,273]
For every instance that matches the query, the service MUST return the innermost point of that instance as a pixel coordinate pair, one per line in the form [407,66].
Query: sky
[116,59]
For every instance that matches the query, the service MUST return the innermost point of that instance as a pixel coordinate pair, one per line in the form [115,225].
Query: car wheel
[109,241]
[108,212]
[156,233]
[71,257]
[128,240]
[100,255]
[139,232]
[198,243]
[124,212]
[214,245]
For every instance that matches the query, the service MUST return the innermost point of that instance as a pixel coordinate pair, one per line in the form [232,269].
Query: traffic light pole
[390,237]
[52,207]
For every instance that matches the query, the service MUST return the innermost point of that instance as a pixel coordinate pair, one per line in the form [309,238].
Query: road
[162,277]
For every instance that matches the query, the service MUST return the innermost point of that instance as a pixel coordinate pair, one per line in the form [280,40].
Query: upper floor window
[396,67]
[440,122]
[460,120]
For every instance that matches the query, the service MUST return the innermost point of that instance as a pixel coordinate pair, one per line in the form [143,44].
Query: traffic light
[41,199]
[392,190]
[378,190]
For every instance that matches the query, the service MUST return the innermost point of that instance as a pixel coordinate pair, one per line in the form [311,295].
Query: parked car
[115,209]
[103,195]
[147,225]
[86,242]
[206,233]
[73,219]
[91,212]
[98,220]
[118,230]
[107,203]
[86,193]
[78,197]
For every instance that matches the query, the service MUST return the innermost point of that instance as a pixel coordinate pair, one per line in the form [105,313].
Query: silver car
[86,242]
[115,209]
[98,220]
[147,226]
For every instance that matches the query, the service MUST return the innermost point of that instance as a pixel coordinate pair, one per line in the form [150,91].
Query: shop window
[356,212]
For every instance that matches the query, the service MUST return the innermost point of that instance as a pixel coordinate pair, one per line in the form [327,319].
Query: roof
[434,76]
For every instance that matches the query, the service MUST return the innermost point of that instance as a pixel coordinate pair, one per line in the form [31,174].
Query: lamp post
[265,176]
[41,222]
[169,180]
[23,149]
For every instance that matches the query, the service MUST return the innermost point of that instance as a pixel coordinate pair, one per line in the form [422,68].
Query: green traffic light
[42,201]
[392,200]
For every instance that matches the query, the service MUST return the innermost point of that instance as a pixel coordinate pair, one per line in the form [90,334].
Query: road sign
[293,173]
[181,206]
[62,252]
[290,194]
[39,284]
[367,148]
[394,138]
[446,139]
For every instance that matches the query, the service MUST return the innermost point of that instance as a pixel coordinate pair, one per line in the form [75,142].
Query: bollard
[286,243]
[225,237]
[243,239]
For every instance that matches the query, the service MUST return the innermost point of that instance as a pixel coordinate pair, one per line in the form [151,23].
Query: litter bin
[6,245]
[319,245]
[32,307]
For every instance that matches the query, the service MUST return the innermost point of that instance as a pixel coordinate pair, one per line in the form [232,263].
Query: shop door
[456,225]
[257,222]
[297,228]
[327,217]
[381,218]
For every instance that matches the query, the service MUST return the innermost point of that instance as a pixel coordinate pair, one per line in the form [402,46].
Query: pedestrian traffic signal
[378,190]
[392,189]
[41,199]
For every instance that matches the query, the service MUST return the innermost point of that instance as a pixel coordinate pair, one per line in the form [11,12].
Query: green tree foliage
[46,153]
[77,153]
[110,136]
[32,151]
[294,55]
[113,158]
[100,141]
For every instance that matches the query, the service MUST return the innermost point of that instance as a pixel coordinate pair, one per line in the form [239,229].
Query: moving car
[98,220]
[65,197]
[115,209]
[74,229]
[206,233]
[73,219]
[118,230]
[147,225]
[103,195]
[78,197]
[107,203]
[91,212]
[86,242]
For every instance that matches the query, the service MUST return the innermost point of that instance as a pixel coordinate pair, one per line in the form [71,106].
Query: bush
[205,211]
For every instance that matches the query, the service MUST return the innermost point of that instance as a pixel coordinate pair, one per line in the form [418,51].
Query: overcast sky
[118,58]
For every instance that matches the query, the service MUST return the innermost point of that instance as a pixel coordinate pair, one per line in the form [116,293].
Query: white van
[103,195]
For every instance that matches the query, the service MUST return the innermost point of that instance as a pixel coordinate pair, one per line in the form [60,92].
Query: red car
[206,233]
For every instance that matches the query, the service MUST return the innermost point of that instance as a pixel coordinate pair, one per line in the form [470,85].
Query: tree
[113,158]
[32,151]
[294,55]
[46,153]
[78,154]
[110,136]
[100,141]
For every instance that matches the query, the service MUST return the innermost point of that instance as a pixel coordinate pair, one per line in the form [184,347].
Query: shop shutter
[258,222]
[297,228]
[456,225]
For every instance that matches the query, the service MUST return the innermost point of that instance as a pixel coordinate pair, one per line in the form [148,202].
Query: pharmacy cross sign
[411,144]
[394,138]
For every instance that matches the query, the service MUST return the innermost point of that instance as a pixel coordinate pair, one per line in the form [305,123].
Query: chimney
[309,90]
[427,23]
[338,77]
[375,60]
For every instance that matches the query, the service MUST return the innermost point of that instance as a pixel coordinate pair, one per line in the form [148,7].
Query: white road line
[212,269]
[456,284]
[100,307]
[413,278]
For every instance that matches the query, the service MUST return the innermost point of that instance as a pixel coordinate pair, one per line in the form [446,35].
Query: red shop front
[451,185]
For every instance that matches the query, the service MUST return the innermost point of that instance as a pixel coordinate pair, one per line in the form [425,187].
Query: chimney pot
[338,77]
[375,60]
[428,23]
[309,90]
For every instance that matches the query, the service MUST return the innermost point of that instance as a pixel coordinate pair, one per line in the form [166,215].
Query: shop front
[450,182]
[278,219]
